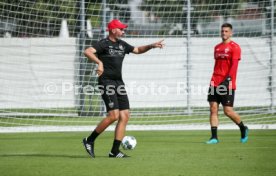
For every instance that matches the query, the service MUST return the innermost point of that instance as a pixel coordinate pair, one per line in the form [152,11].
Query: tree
[32,18]
[169,11]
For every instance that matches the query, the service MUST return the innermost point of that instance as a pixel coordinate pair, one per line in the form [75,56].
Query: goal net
[48,85]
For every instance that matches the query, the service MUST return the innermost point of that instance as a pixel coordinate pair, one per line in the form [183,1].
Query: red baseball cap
[116,24]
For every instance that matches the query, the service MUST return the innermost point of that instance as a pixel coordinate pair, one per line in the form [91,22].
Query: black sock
[214,132]
[242,128]
[241,125]
[93,136]
[116,146]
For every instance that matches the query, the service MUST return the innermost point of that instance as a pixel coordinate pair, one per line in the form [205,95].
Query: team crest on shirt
[226,50]
[112,52]
[121,47]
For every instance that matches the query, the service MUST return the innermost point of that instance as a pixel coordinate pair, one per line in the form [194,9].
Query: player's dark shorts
[114,94]
[225,97]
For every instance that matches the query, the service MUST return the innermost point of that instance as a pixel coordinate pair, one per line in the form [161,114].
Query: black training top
[112,55]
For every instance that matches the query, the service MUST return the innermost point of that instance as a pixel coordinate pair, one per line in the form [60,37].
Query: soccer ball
[129,142]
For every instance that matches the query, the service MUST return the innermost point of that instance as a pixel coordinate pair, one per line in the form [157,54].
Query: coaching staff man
[109,54]
[227,55]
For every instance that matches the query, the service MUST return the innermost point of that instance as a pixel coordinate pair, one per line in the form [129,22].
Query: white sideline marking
[129,128]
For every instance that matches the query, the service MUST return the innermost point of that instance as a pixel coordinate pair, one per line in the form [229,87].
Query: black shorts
[113,94]
[225,97]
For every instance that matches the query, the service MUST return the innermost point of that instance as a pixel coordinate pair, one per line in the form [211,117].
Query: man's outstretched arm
[143,49]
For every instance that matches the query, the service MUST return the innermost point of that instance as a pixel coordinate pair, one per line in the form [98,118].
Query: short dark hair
[226,25]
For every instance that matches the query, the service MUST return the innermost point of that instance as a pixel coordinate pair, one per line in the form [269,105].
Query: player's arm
[235,61]
[145,48]
[232,73]
[90,54]
[234,66]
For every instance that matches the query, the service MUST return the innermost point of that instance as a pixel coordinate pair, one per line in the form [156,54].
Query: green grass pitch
[158,153]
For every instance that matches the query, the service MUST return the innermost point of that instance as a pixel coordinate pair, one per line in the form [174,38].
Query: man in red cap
[116,24]
[109,54]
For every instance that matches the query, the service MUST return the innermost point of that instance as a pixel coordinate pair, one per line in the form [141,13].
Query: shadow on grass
[48,155]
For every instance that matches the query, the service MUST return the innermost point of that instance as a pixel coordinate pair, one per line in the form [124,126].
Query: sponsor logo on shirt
[222,54]
[115,52]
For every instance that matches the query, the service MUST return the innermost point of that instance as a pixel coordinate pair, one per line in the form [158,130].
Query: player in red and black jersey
[227,55]
[109,54]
